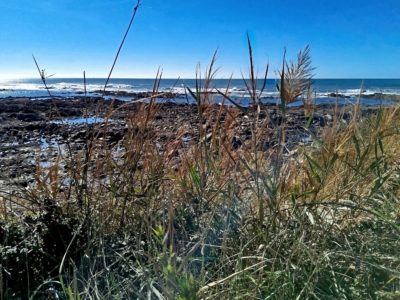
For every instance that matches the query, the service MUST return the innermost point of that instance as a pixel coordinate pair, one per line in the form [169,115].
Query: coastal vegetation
[248,202]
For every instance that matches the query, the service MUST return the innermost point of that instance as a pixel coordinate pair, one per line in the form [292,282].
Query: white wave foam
[73,88]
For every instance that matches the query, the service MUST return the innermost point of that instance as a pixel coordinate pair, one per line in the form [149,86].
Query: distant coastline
[126,89]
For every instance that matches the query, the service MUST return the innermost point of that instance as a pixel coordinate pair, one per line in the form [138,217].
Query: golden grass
[202,220]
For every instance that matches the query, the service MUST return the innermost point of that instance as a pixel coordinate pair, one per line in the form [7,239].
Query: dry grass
[217,221]
[204,220]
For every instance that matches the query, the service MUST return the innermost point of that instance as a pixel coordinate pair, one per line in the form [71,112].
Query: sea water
[323,88]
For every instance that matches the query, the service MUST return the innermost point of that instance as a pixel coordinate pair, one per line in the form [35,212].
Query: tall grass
[208,219]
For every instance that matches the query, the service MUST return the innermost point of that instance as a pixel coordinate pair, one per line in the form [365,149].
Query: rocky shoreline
[33,132]
[376,96]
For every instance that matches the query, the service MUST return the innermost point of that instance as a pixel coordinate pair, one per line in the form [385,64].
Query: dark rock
[319,121]
[236,143]
[338,95]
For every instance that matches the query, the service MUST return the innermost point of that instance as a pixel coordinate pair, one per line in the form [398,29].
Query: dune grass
[207,220]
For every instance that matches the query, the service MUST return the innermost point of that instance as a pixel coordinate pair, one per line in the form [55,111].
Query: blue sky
[348,39]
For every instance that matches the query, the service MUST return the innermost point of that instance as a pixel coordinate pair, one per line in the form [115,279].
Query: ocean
[323,88]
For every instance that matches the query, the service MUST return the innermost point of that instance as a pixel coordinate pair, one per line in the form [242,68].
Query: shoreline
[132,89]
[374,99]
[33,136]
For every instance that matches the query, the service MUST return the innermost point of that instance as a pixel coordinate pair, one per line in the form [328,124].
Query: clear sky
[348,38]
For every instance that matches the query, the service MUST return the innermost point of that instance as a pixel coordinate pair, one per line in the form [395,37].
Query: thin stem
[42,75]
[121,45]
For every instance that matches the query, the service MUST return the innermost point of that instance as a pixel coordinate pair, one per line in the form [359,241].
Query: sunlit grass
[205,219]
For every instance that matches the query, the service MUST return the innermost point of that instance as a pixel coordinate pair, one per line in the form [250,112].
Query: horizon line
[188,78]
